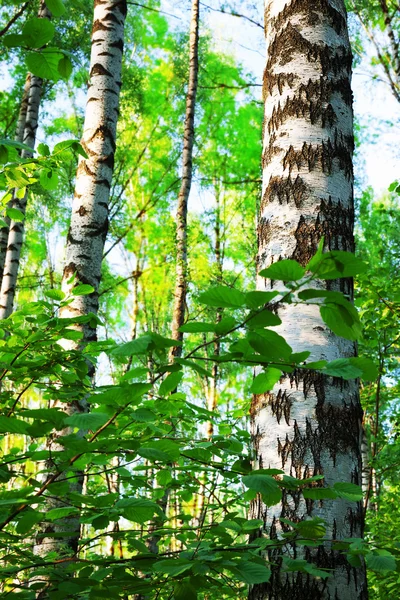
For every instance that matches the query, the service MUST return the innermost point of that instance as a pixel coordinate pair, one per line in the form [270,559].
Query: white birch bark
[178,316]
[89,220]
[310,424]
[17,228]
[19,137]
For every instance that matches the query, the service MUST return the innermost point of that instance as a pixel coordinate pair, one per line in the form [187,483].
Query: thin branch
[14,18]
[153,9]
[233,14]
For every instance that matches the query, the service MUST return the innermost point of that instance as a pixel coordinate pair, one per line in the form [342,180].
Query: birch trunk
[89,220]
[27,126]
[310,424]
[187,169]
[19,137]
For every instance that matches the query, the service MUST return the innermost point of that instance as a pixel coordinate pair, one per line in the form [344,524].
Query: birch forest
[199,299]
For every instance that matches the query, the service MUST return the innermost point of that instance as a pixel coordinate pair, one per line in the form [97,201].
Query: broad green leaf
[184,590]
[3,155]
[284,270]
[257,299]
[137,346]
[367,366]
[54,294]
[46,414]
[56,7]
[44,64]
[197,327]
[252,524]
[60,513]
[38,32]
[270,344]
[137,510]
[48,179]
[92,420]
[164,450]
[43,150]
[341,321]
[170,383]
[337,264]
[12,425]
[319,493]
[312,528]
[225,325]
[65,67]
[28,520]
[348,491]
[173,567]
[251,572]
[222,297]
[265,318]
[342,367]
[82,289]
[380,562]
[14,40]
[265,381]
[15,214]
[265,485]
[193,365]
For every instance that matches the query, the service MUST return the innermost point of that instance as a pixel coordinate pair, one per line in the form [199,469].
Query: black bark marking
[285,189]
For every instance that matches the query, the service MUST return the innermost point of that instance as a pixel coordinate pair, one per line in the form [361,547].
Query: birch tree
[89,219]
[310,424]
[187,171]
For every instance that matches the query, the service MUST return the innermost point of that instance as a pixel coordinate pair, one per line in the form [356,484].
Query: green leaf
[222,297]
[367,366]
[28,520]
[12,425]
[137,510]
[54,294]
[257,299]
[137,346]
[197,327]
[265,485]
[43,150]
[60,513]
[170,383]
[82,290]
[92,420]
[14,40]
[342,367]
[65,67]
[264,382]
[319,493]
[173,566]
[251,572]
[380,562]
[163,450]
[284,270]
[265,318]
[48,179]
[15,214]
[311,528]
[38,32]
[341,321]
[348,491]
[56,7]
[270,344]
[3,154]
[225,325]
[44,64]
[337,264]
[184,590]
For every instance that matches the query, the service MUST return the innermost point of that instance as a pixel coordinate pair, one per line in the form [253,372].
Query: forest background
[177,485]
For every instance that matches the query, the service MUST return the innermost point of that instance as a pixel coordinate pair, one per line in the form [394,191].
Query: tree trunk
[187,168]
[310,424]
[89,220]
[19,137]
[28,124]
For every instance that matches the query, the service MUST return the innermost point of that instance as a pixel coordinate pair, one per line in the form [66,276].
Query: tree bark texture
[19,137]
[28,123]
[89,220]
[309,424]
[178,316]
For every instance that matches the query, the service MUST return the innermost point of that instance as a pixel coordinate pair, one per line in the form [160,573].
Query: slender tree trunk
[19,137]
[310,424]
[89,220]
[187,169]
[26,128]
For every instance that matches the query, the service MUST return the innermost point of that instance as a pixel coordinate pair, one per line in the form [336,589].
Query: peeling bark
[89,220]
[178,316]
[310,424]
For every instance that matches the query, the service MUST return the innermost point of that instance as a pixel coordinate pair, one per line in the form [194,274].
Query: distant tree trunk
[309,424]
[27,126]
[19,137]
[89,220]
[178,316]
